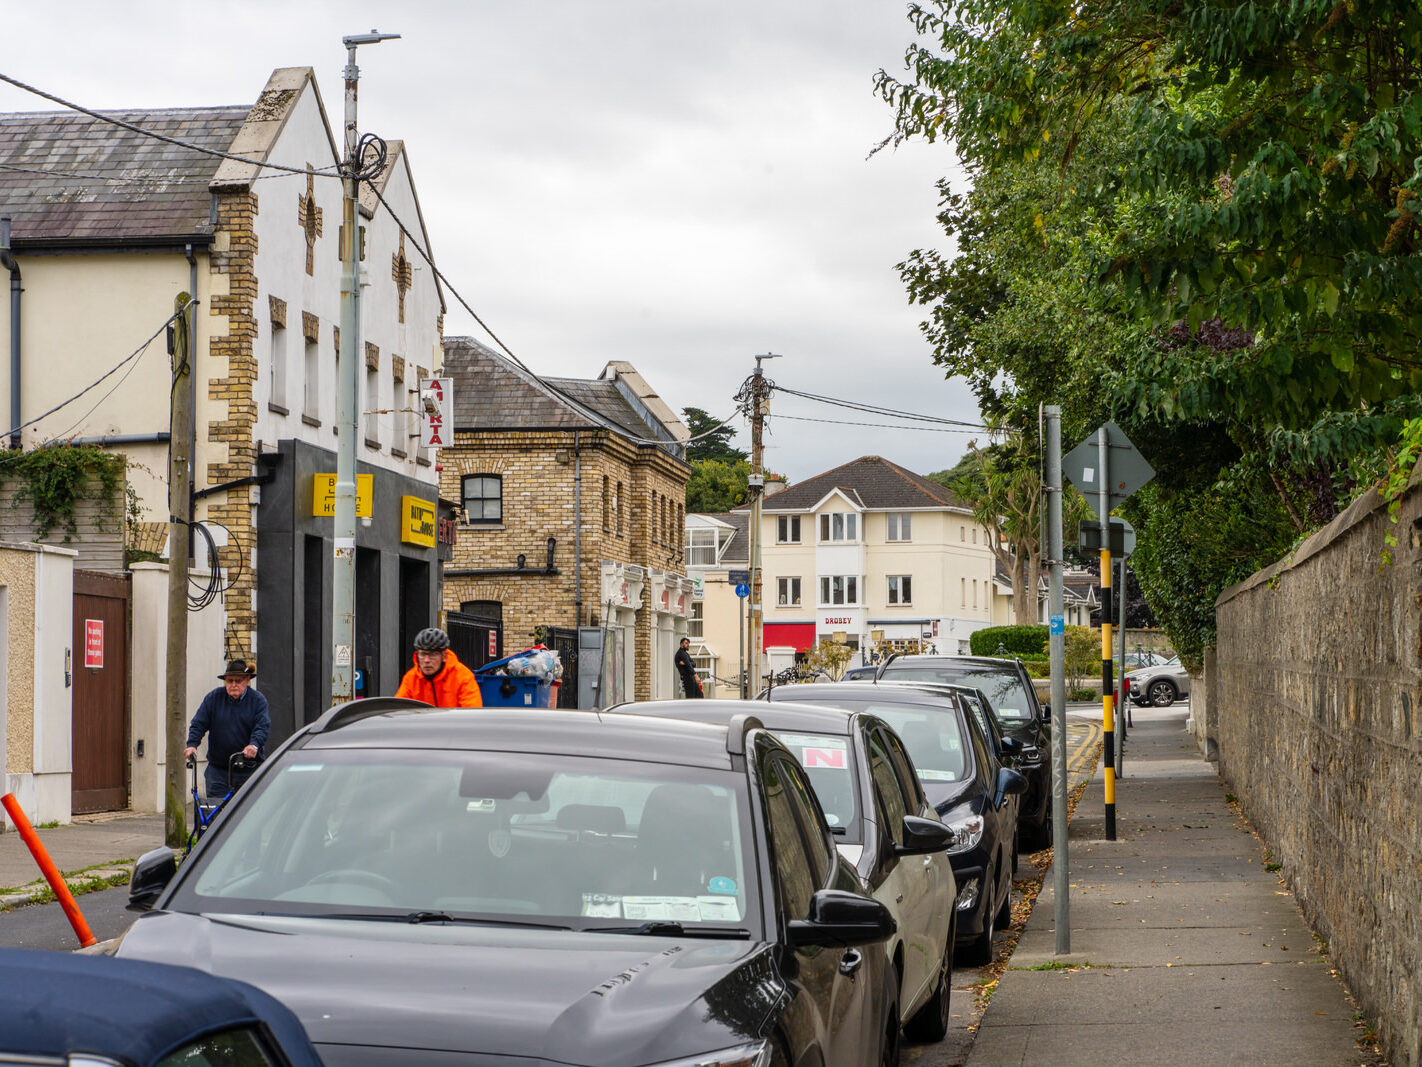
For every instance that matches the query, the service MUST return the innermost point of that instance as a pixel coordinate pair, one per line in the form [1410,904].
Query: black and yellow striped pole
[1108,695]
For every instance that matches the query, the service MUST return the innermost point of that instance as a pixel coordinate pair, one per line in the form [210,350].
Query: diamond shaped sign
[1126,469]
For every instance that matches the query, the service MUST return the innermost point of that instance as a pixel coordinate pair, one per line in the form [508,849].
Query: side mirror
[151,876]
[840,918]
[922,836]
[1008,782]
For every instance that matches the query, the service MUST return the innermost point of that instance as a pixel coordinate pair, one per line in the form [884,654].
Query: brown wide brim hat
[238,668]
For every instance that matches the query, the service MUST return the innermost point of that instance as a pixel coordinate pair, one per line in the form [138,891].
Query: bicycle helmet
[431,639]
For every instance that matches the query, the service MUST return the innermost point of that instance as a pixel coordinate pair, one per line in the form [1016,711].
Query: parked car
[859,674]
[881,820]
[963,780]
[1161,685]
[1008,688]
[430,886]
[76,1010]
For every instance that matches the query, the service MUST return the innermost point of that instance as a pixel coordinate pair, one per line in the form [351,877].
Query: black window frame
[464,499]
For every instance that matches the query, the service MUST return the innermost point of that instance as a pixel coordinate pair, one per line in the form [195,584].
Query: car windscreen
[1002,685]
[829,761]
[533,839]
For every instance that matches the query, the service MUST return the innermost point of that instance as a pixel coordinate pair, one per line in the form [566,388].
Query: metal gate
[99,715]
[475,639]
[565,642]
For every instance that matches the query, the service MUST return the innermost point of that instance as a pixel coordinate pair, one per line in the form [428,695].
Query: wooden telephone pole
[760,389]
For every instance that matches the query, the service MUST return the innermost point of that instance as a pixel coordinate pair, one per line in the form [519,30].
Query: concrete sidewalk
[102,847]
[1184,948]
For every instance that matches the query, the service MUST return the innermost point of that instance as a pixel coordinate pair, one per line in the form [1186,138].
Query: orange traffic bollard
[51,872]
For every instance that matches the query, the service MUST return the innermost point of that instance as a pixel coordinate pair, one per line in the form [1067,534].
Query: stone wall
[1317,711]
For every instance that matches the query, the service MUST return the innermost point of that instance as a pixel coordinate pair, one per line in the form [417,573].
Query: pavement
[91,848]
[1184,947]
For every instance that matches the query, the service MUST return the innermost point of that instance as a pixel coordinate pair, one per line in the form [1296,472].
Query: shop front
[621,599]
[403,533]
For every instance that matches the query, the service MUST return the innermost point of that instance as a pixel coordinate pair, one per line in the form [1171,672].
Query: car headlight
[756,1054]
[967,832]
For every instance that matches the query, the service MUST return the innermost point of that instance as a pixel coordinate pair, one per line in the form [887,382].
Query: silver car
[1161,685]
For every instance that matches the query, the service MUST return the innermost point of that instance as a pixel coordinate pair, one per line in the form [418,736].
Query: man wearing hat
[234,717]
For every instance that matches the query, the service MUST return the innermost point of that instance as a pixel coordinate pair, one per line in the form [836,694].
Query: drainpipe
[192,358]
[577,530]
[8,261]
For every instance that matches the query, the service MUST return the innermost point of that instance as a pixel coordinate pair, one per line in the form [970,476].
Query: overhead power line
[964,428]
[873,409]
[111,120]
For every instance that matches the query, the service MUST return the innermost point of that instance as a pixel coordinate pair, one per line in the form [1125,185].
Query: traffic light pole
[1061,872]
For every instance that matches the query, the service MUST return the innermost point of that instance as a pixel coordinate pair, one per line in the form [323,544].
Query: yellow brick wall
[539,472]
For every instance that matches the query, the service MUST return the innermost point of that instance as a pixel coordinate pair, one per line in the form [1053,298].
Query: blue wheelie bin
[506,691]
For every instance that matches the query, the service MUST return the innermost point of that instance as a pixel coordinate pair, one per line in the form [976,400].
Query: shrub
[1014,640]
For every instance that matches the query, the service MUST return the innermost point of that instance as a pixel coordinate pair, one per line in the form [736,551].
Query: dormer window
[839,526]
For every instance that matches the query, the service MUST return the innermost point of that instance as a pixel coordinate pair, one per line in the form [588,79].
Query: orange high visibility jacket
[453,687]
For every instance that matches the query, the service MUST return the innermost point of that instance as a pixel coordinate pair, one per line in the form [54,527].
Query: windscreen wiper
[418,917]
[672,928]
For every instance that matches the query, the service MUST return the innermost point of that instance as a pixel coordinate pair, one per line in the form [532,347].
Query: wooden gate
[100,693]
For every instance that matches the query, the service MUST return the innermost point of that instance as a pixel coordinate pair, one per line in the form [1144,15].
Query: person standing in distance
[690,684]
[438,677]
[235,719]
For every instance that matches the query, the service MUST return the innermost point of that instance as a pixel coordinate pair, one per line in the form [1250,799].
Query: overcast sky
[678,185]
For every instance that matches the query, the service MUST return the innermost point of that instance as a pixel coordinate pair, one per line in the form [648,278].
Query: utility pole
[180,502]
[1052,484]
[760,406]
[347,391]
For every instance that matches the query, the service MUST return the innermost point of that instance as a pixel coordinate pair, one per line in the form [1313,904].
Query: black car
[531,886]
[66,1009]
[965,782]
[1008,688]
[877,811]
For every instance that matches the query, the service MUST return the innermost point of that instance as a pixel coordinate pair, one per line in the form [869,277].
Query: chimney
[774,485]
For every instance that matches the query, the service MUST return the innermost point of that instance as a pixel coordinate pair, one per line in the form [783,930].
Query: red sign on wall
[493,643]
[93,642]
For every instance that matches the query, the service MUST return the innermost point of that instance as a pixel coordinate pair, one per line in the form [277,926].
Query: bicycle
[205,810]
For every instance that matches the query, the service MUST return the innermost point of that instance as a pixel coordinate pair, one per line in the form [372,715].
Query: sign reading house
[418,521]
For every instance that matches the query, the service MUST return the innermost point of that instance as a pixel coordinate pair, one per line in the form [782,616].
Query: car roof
[791,718]
[388,723]
[929,661]
[894,693]
[133,1009]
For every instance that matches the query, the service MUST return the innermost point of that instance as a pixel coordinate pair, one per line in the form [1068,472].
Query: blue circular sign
[742,590]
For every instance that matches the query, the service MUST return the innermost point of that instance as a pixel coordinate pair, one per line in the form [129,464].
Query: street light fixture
[347,390]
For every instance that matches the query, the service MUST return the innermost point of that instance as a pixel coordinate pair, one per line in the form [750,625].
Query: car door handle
[849,963]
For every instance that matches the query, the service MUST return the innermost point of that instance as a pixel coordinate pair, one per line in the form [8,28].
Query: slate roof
[604,398]
[69,177]
[738,547]
[491,392]
[872,482]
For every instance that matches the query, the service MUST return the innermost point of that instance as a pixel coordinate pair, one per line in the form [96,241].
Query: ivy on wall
[56,478]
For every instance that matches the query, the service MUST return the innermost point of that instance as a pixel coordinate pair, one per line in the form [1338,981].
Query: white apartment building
[875,556]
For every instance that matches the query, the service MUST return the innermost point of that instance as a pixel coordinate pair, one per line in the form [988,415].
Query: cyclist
[438,677]
[235,719]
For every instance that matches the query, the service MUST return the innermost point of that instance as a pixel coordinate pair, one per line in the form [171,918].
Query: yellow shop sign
[323,495]
[419,525]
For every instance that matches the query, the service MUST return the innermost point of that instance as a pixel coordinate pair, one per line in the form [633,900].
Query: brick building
[573,501]
[109,226]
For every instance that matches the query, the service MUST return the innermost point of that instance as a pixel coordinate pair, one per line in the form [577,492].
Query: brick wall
[1315,703]
[538,474]
[232,365]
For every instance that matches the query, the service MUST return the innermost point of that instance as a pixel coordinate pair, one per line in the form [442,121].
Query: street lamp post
[347,391]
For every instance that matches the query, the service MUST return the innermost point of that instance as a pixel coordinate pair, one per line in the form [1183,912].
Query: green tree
[829,657]
[716,442]
[1082,654]
[716,486]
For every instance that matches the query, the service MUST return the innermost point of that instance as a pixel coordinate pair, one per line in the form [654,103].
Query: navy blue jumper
[231,725]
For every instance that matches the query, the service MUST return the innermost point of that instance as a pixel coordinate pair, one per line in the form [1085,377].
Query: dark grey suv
[1008,688]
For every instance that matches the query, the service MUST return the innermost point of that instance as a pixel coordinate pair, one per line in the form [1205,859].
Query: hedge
[1016,640]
